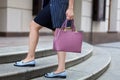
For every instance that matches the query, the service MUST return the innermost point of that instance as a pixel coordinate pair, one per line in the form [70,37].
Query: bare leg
[33,40]
[61,61]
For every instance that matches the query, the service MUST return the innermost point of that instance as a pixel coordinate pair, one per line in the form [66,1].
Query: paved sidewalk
[21,41]
[113,73]
[46,35]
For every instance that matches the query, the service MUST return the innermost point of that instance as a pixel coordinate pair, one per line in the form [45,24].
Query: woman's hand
[69,14]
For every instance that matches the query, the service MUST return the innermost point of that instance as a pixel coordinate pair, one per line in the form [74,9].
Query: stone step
[91,69]
[13,54]
[44,65]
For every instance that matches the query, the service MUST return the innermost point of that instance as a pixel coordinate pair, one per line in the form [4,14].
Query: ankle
[60,70]
[27,59]
[30,57]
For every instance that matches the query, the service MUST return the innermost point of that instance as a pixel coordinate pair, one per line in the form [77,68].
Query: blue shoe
[25,64]
[56,75]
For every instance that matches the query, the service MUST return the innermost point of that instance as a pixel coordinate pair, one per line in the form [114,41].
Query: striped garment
[58,9]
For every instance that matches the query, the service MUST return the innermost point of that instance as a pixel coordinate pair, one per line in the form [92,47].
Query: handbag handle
[64,25]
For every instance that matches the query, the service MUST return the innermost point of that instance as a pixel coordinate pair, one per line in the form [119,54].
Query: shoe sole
[24,65]
[56,77]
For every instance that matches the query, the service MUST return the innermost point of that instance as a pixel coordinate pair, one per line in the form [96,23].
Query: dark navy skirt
[52,17]
[44,18]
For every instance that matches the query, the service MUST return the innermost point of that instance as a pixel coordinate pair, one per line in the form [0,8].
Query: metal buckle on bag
[67,28]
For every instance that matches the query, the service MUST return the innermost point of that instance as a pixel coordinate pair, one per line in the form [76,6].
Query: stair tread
[9,69]
[12,54]
[90,67]
[114,71]
[6,51]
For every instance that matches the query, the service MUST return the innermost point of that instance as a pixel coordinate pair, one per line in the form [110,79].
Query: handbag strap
[64,25]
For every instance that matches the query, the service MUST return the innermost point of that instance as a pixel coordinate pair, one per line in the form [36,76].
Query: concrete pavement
[21,41]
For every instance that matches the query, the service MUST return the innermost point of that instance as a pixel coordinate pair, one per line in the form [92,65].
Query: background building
[15,16]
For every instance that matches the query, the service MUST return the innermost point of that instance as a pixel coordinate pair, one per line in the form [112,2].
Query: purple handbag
[67,40]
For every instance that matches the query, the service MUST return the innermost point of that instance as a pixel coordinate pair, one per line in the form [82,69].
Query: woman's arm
[70,11]
[71,4]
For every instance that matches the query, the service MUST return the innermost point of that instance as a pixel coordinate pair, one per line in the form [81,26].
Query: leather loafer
[25,64]
[56,75]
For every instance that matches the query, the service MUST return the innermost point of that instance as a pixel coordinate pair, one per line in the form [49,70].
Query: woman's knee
[35,26]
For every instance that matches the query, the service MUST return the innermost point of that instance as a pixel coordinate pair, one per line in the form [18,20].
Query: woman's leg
[61,61]
[33,40]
